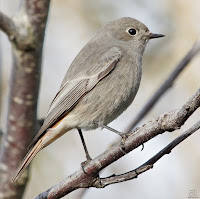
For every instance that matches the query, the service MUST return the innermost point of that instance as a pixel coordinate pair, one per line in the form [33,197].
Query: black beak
[153,36]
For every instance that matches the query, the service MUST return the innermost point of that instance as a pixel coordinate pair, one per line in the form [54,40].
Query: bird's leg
[86,151]
[84,145]
[113,130]
[123,135]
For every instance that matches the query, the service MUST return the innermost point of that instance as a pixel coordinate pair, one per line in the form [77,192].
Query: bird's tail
[28,158]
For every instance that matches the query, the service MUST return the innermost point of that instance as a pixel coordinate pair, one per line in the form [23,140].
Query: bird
[100,84]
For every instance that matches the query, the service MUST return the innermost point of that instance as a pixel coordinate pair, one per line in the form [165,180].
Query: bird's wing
[72,91]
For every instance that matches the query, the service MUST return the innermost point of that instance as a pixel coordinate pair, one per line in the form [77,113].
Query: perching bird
[100,84]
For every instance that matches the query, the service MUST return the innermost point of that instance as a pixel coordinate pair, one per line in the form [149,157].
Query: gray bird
[100,84]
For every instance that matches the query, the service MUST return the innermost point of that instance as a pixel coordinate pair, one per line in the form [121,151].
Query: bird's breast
[111,96]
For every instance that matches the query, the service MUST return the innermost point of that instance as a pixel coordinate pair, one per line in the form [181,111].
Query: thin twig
[1,135]
[1,88]
[103,182]
[166,122]
[173,144]
[166,85]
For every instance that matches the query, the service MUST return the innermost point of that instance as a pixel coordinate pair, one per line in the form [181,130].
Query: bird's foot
[122,135]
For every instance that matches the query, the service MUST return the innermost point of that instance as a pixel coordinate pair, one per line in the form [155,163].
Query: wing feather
[72,91]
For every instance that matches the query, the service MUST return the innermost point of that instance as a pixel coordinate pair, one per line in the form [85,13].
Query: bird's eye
[132,31]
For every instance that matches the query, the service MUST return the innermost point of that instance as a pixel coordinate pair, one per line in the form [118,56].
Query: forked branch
[7,25]
[103,182]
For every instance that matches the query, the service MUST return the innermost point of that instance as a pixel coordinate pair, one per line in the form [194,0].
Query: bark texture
[26,33]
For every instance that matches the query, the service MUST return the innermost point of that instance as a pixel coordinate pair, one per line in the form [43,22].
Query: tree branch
[166,85]
[103,182]
[21,122]
[173,144]
[7,25]
[167,122]
[1,134]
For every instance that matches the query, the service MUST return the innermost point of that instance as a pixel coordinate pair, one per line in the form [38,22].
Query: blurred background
[70,25]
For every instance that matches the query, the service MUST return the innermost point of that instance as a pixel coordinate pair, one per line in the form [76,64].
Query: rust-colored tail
[28,158]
